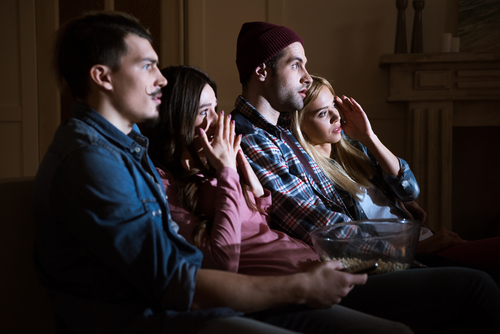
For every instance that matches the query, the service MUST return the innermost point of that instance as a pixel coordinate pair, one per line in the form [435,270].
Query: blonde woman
[337,134]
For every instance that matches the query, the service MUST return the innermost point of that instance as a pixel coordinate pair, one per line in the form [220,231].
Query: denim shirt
[105,249]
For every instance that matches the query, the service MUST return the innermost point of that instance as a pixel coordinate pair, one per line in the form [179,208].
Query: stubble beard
[283,98]
[153,120]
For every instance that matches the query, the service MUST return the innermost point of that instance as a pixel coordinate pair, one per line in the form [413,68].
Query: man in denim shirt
[106,248]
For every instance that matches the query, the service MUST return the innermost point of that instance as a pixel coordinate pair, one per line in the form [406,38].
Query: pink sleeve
[265,201]
[219,199]
[223,202]
[184,219]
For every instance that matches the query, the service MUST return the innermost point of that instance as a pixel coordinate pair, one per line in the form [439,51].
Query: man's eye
[147,66]
[295,66]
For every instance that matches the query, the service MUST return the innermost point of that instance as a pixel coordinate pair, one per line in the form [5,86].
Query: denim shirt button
[153,213]
[137,149]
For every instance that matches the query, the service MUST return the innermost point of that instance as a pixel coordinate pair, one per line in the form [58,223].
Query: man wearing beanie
[272,68]
[271,63]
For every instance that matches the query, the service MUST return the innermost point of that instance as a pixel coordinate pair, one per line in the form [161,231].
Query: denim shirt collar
[134,143]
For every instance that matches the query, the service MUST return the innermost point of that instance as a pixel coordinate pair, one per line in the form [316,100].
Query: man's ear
[101,76]
[262,72]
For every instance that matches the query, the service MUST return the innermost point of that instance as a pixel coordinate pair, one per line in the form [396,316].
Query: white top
[376,205]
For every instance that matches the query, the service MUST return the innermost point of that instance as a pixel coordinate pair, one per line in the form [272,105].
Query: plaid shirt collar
[255,117]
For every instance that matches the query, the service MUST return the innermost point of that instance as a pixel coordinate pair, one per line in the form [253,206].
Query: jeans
[434,300]
[431,299]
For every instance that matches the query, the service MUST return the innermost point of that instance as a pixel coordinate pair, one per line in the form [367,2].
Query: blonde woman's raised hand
[222,151]
[248,175]
[355,122]
[357,126]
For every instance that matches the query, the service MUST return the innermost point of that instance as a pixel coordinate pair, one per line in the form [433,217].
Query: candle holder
[417,42]
[400,45]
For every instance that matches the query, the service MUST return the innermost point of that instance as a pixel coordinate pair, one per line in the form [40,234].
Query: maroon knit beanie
[260,41]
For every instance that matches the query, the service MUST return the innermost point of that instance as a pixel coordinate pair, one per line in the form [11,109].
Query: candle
[446,39]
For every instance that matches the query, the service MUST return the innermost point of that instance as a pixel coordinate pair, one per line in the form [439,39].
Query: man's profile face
[137,83]
[287,85]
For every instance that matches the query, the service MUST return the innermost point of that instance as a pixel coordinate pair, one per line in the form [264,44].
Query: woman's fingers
[339,103]
[204,141]
[227,120]
[249,175]
[224,146]
[237,142]
[219,129]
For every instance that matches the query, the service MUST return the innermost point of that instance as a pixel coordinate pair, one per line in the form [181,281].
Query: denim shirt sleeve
[404,186]
[103,202]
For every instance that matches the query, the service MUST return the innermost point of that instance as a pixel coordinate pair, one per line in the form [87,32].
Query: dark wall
[476,184]
[24,304]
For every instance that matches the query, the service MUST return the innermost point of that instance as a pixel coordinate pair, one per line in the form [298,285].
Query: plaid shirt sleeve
[298,204]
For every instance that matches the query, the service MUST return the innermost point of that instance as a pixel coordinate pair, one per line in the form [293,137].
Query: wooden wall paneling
[172,43]
[49,97]
[27,29]
[211,31]
[18,106]
[430,128]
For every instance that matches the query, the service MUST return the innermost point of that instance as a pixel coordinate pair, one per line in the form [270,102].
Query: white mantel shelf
[442,90]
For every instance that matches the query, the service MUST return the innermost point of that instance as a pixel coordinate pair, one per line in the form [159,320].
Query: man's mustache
[155,93]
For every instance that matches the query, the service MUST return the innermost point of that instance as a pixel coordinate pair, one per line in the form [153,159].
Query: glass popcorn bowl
[391,242]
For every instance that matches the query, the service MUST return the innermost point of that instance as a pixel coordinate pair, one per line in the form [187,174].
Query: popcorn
[383,266]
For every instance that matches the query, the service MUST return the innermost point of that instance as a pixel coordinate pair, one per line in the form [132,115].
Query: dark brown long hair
[175,132]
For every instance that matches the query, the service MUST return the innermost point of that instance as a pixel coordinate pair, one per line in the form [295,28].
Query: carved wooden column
[434,86]
[429,125]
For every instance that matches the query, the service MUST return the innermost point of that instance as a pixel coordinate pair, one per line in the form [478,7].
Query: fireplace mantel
[442,90]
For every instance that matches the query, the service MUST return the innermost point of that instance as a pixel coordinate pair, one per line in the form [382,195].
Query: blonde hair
[350,168]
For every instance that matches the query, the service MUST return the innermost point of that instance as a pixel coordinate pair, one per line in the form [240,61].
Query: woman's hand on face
[248,175]
[355,123]
[225,145]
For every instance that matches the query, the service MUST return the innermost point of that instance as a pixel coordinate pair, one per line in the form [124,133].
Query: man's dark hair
[93,38]
[271,64]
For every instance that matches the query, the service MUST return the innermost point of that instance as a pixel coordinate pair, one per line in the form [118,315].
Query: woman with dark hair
[212,191]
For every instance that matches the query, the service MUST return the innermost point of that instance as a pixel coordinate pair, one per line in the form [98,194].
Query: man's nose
[306,78]
[161,81]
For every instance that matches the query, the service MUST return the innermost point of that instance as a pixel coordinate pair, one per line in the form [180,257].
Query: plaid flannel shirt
[299,204]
